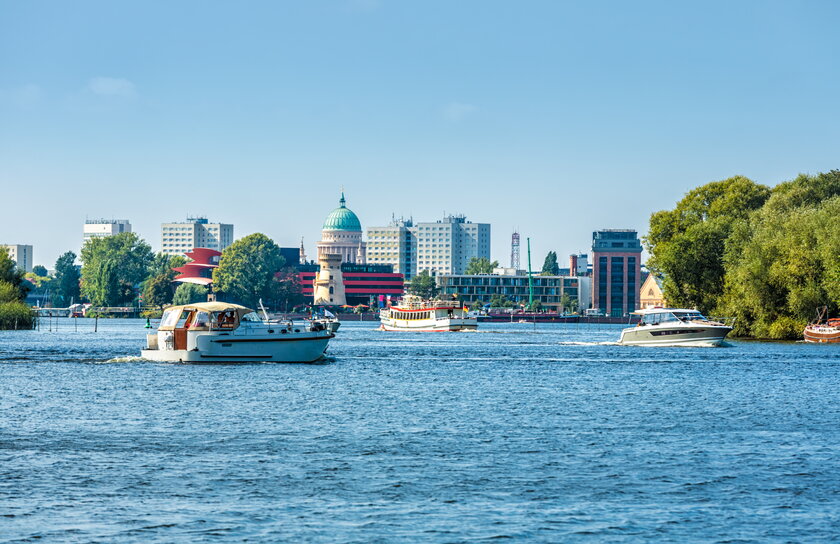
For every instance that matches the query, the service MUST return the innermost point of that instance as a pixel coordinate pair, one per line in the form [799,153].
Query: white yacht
[415,314]
[221,332]
[674,327]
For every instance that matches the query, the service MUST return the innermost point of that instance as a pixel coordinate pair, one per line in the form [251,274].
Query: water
[546,433]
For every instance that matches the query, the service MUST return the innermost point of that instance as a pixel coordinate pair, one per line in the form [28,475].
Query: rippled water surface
[546,433]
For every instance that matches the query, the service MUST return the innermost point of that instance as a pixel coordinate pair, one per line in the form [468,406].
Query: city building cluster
[354,266]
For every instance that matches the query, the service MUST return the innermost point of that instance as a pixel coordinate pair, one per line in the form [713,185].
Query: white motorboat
[221,332]
[674,327]
[415,314]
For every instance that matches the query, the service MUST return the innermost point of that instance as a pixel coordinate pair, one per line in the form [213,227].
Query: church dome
[342,218]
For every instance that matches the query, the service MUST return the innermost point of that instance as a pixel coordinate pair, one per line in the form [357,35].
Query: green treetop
[481,265]
[248,268]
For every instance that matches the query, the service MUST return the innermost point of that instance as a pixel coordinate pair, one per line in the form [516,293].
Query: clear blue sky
[558,118]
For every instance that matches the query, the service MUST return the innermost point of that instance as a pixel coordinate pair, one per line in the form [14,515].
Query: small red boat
[823,330]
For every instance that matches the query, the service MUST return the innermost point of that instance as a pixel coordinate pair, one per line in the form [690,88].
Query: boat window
[170,318]
[688,316]
[251,316]
[182,319]
[201,320]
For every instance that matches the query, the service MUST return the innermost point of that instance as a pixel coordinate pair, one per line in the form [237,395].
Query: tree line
[770,257]
[122,270]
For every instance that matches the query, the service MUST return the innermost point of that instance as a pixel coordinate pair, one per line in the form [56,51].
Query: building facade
[616,271]
[342,235]
[21,254]
[360,283]
[548,290]
[195,232]
[442,247]
[650,295]
[99,228]
[393,245]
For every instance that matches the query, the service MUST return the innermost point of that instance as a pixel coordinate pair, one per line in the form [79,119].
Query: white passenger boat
[222,332]
[416,314]
[674,327]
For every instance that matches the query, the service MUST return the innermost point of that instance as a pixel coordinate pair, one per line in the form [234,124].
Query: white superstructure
[415,314]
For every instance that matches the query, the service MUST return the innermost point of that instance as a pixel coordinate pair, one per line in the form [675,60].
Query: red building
[361,281]
[200,269]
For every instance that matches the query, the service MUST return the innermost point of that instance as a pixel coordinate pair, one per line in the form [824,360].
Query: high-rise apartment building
[21,255]
[179,238]
[616,271]
[99,228]
[443,247]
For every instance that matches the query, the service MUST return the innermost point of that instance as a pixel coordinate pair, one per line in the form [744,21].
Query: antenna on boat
[265,314]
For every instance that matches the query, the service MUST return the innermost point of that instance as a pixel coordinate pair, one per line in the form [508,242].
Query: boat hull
[439,325]
[306,348]
[677,336]
[817,334]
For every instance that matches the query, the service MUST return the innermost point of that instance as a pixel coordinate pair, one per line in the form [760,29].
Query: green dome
[342,219]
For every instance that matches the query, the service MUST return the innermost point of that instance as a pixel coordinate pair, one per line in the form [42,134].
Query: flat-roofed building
[21,254]
[99,228]
[513,285]
[616,271]
[195,232]
[441,247]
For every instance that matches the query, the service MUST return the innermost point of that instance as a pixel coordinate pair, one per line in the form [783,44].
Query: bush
[16,315]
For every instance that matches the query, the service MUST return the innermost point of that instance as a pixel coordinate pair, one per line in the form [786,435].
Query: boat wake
[128,359]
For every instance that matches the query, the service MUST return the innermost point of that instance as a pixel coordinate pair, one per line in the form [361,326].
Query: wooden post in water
[96,323]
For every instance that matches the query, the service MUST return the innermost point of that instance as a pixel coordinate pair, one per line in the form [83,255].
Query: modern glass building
[548,290]
[616,271]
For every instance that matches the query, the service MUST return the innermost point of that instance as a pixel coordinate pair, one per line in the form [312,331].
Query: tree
[289,293]
[14,313]
[481,265]
[687,244]
[500,301]
[157,288]
[423,285]
[247,270]
[550,266]
[40,270]
[11,274]
[67,278]
[113,266]
[189,293]
[785,261]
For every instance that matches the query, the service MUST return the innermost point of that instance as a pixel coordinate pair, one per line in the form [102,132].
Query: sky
[552,118]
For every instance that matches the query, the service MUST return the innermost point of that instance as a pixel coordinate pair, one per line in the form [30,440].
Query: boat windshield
[170,318]
[252,317]
[670,317]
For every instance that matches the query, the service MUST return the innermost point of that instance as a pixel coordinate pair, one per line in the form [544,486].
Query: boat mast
[530,280]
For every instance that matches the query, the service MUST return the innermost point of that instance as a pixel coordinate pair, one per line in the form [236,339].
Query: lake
[539,433]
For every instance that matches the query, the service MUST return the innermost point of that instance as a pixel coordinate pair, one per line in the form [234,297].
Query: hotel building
[179,238]
[99,228]
[616,271]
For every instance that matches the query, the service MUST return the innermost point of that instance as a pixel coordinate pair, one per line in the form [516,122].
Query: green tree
[157,288]
[67,277]
[481,265]
[785,261]
[500,301]
[112,267]
[189,293]
[40,270]
[163,263]
[248,268]
[687,244]
[423,285]
[550,266]
[11,274]
[14,313]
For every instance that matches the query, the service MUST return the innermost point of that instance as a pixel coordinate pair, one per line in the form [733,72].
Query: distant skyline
[553,118]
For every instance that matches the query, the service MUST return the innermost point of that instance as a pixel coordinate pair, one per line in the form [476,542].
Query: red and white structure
[200,269]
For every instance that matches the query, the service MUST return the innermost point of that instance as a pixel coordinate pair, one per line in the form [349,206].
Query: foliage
[423,285]
[247,270]
[550,266]
[164,263]
[40,270]
[289,292]
[112,267]
[687,243]
[785,262]
[481,265]
[189,293]
[534,306]
[11,274]
[500,301]
[157,289]
[15,315]
[569,304]
[67,278]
